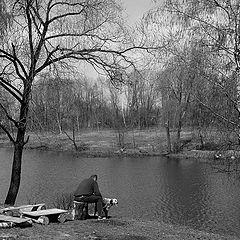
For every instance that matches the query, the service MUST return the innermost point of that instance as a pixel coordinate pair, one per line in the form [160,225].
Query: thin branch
[30,34]
[64,3]
[13,58]
[218,115]
[65,15]
[224,9]
[37,14]
[8,116]
[8,89]
[72,140]
[11,86]
[8,133]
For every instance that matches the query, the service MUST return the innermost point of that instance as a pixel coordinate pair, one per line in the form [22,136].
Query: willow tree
[52,34]
[215,26]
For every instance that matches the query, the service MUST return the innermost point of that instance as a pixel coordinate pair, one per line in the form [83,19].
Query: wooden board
[27,207]
[46,212]
[4,218]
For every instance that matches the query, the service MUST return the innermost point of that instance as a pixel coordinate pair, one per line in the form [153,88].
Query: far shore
[98,143]
[105,143]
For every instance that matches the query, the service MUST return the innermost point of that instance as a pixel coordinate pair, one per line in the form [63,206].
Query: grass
[112,229]
[99,143]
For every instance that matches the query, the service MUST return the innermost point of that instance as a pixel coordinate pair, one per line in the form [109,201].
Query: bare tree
[117,115]
[215,25]
[142,98]
[49,35]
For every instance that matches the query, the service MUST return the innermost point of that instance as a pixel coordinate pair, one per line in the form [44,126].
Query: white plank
[44,212]
[20,207]
[4,218]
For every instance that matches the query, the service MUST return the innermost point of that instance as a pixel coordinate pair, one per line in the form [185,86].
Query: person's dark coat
[87,187]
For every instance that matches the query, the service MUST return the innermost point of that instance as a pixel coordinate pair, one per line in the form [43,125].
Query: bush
[64,201]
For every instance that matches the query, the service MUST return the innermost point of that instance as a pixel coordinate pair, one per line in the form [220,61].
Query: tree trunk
[73,134]
[59,123]
[178,137]
[16,174]
[18,146]
[78,125]
[167,125]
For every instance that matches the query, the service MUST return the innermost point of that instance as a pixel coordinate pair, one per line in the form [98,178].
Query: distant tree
[52,98]
[211,29]
[118,120]
[46,36]
[214,24]
[142,99]
[5,22]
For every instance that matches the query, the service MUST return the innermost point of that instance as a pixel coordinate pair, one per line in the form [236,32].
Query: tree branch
[13,58]
[8,87]
[8,133]
[8,116]
[218,115]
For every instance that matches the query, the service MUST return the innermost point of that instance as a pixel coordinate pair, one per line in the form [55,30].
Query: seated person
[88,192]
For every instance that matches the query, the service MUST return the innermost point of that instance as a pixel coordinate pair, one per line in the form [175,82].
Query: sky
[135,9]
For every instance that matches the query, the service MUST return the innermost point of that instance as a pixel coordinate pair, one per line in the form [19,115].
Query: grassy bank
[113,229]
[99,143]
[147,142]
[105,143]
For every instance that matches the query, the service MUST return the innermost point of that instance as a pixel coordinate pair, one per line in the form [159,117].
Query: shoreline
[103,144]
[94,154]
[97,143]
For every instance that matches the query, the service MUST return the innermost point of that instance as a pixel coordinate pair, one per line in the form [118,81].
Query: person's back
[87,187]
[88,191]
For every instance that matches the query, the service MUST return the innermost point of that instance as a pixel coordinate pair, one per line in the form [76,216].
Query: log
[44,220]
[62,218]
[41,216]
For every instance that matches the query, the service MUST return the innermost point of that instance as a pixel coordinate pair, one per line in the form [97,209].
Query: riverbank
[112,229]
[102,143]
[105,143]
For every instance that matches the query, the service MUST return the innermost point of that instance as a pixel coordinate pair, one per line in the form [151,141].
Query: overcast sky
[136,8]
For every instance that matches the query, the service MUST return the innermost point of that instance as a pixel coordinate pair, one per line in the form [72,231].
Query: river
[182,192]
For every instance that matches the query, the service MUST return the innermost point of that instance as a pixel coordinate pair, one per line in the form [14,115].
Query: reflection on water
[178,192]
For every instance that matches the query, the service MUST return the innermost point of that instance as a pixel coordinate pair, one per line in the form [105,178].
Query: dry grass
[100,143]
[105,143]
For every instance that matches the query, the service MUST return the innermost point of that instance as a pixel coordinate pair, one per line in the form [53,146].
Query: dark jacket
[87,187]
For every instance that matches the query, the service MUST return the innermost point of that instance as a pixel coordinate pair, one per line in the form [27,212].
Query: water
[177,192]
